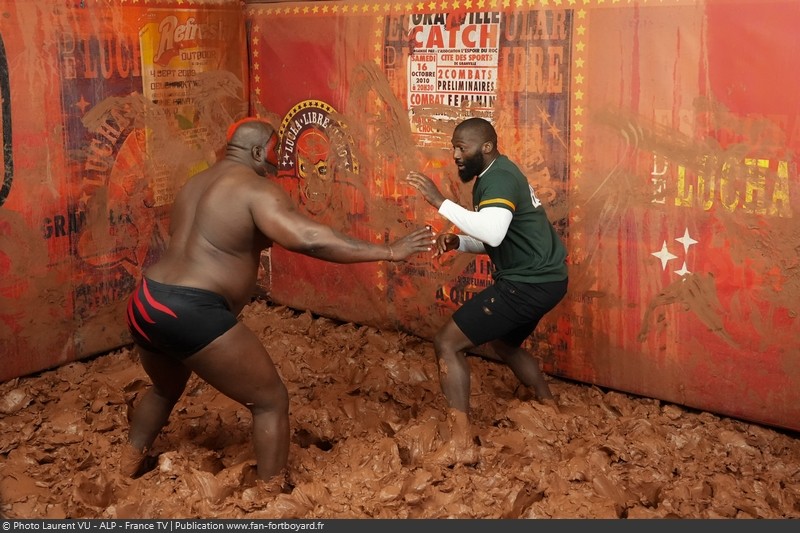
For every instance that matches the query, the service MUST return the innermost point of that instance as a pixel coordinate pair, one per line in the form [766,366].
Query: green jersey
[531,251]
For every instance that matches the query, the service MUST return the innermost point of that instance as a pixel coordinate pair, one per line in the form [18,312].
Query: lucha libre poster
[92,157]
[666,161]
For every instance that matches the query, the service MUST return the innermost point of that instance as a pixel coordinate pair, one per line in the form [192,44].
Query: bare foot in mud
[451,454]
[132,462]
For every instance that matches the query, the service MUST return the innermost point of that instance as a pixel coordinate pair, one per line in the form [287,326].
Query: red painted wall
[661,134]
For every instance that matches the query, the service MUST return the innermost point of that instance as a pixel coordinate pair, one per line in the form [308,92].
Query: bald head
[249,132]
[254,142]
[478,128]
[474,147]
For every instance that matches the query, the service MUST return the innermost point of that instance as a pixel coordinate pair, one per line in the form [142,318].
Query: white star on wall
[686,240]
[683,271]
[665,255]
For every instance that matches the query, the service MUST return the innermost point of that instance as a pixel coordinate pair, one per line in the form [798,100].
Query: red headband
[235,126]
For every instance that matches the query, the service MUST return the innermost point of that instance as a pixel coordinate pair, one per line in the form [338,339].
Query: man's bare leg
[454,378]
[238,366]
[168,377]
[526,367]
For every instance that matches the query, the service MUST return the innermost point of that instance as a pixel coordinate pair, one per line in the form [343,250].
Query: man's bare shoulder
[230,175]
[258,192]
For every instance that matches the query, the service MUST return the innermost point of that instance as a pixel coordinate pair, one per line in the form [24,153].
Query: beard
[472,167]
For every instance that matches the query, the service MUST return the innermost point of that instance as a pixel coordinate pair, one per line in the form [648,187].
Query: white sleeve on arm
[489,225]
[470,245]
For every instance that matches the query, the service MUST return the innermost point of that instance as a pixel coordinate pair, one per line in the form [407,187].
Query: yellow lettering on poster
[748,186]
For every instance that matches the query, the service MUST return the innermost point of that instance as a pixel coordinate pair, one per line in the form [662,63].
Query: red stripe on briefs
[142,310]
[153,303]
[132,321]
[130,312]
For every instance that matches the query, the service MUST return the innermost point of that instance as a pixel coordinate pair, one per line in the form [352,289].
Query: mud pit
[365,408]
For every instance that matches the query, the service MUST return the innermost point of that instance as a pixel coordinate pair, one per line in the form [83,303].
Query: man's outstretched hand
[427,187]
[421,240]
[446,242]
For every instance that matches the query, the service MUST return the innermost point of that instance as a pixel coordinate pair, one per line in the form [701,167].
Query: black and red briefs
[176,320]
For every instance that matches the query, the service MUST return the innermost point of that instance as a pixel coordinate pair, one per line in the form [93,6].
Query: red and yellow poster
[94,149]
[193,77]
[662,136]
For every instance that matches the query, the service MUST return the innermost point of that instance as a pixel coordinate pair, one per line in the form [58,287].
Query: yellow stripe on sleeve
[498,201]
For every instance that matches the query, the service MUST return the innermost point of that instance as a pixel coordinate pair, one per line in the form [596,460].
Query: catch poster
[662,135]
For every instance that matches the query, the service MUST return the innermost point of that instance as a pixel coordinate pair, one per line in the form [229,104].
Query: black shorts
[508,310]
[175,320]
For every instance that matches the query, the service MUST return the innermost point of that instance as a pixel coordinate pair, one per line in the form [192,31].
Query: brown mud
[366,409]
